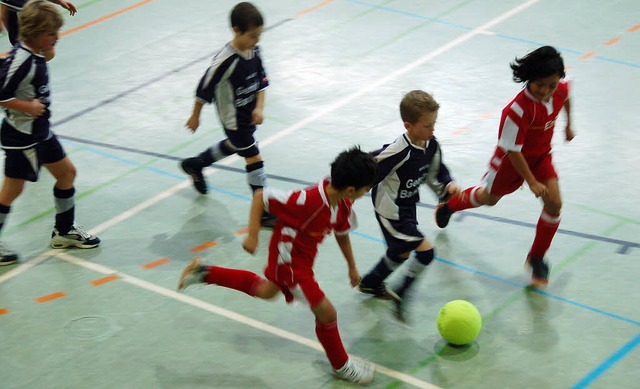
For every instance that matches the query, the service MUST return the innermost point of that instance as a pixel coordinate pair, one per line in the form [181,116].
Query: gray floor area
[123,84]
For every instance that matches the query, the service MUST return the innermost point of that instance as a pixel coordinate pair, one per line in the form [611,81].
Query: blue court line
[624,246]
[608,363]
[499,35]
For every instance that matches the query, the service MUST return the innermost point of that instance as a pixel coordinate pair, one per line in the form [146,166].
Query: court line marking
[248,321]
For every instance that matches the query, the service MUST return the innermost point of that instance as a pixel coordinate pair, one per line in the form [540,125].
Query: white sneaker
[7,256]
[194,273]
[356,370]
[76,237]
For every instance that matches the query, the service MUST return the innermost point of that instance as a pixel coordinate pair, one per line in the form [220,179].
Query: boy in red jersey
[523,152]
[304,218]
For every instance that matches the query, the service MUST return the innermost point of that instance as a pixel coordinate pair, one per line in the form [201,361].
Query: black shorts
[402,236]
[243,141]
[25,164]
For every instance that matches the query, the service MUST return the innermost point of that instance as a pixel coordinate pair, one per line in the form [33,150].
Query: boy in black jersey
[235,81]
[26,135]
[413,159]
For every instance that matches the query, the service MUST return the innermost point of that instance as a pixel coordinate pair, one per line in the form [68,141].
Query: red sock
[329,338]
[242,280]
[466,199]
[545,231]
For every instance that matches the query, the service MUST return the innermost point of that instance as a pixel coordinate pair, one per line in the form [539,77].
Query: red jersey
[305,217]
[527,123]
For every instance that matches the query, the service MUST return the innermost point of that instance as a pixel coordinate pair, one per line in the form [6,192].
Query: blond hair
[416,103]
[37,17]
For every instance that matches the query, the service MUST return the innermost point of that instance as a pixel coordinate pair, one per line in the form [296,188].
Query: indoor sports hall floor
[123,83]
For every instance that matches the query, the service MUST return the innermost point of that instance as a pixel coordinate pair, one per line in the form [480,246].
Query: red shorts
[293,274]
[505,179]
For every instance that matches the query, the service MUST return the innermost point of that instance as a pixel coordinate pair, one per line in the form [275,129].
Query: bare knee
[325,312]
[266,290]
[553,206]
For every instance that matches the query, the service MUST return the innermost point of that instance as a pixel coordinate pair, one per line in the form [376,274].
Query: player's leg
[402,237]
[194,165]
[241,280]
[65,232]
[346,367]
[11,189]
[548,223]
[412,271]
[495,184]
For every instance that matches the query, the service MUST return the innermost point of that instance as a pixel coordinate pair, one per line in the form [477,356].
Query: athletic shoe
[400,311]
[268,220]
[192,168]
[76,237]
[194,273]
[539,271]
[443,214]
[356,370]
[7,256]
[379,291]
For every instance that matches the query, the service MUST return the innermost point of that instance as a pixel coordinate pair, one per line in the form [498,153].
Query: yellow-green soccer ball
[459,322]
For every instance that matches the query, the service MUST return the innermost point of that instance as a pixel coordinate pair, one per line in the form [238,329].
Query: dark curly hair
[540,63]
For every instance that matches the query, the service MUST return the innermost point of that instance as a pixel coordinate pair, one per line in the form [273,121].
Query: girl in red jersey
[523,152]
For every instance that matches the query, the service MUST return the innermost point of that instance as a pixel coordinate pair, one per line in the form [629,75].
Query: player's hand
[539,189]
[193,123]
[250,244]
[569,134]
[36,108]
[69,7]
[354,277]
[257,117]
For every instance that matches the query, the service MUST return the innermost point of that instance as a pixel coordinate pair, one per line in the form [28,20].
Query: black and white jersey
[15,5]
[403,167]
[24,76]
[233,81]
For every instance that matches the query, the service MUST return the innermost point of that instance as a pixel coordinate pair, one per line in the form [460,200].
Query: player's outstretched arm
[66,5]
[250,243]
[345,246]
[568,131]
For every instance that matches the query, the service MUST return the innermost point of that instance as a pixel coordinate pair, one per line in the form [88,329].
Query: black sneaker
[7,256]
[539,271]
[443,214]
[379,291]
[268,220]
[192,168]
[76,237]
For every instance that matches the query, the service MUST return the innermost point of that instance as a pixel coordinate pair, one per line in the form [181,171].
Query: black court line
[624,246]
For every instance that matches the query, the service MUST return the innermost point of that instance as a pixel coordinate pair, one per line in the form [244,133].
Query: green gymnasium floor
[123,83]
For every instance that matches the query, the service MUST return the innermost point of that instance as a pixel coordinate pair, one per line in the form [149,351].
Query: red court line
[203,246]
[4,311]
[588,55]
[49,297]
[612,41]
[153,264]
[104,280]
[315,7]
[106,17]
[634,28]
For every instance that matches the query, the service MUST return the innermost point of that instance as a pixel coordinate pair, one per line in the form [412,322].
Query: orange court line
[106,17]
[243,231]
[4,311]
[588,55]
[612,41]
[104,280]
[203,246]
[49,297]
[634,28]
[153,264]
[315,7]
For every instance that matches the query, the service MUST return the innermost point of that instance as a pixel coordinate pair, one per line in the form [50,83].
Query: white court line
[261,326]
[322,112]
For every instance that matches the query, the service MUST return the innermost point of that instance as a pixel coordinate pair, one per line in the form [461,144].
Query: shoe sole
[67,245]
[195,263]
[7,263]
[388,296]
